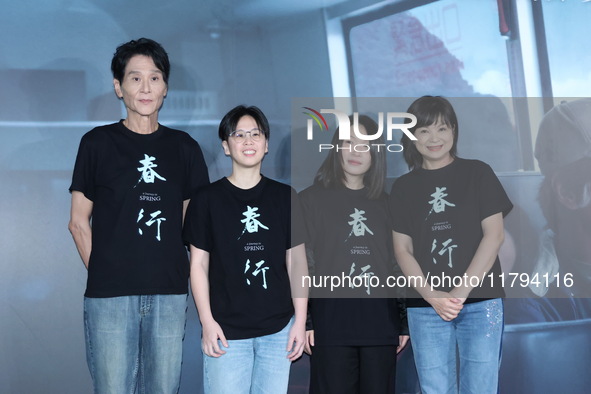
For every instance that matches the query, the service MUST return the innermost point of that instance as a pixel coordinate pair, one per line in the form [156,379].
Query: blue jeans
[135,343]
[255,365]
[475,335]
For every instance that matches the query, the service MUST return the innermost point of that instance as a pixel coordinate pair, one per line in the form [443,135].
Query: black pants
[353,369]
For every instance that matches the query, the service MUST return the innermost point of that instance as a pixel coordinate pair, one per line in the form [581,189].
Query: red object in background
[504,18]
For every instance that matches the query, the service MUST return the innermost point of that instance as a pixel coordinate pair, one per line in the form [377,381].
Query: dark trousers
[353,369]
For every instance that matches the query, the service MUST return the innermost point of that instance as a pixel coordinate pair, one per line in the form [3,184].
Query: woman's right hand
[209,340]
[446,306]
[309,342]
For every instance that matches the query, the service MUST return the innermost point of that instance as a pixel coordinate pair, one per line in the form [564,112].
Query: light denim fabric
[475,336]
[134,344]
[250,366]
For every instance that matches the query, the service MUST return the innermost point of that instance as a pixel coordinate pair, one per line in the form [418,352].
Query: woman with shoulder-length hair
[244,252]
[447,216]
[354,335]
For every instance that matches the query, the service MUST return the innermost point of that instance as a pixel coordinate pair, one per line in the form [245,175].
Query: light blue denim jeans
[255,365]
[134,344]
[475,335]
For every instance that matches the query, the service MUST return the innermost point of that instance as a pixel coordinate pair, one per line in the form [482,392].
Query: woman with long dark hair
[353,336]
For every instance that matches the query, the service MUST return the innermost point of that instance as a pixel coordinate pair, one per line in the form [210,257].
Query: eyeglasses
[240,135]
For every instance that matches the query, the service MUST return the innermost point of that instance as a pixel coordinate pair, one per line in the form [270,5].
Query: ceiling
[186,14]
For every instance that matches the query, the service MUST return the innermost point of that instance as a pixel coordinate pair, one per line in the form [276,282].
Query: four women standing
[246,251]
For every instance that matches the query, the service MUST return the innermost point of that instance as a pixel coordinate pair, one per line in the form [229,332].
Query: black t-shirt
[350,235]
[247,233]
[442,210]
[137,183]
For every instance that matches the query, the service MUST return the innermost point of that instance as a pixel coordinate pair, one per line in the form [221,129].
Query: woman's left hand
[456,293]
[402,342]
[446,306]
[297,340]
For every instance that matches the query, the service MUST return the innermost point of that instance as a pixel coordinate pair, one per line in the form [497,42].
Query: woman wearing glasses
[243,255]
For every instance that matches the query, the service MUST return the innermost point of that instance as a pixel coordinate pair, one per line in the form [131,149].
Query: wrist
[206,320]
[461,292]
[427,292]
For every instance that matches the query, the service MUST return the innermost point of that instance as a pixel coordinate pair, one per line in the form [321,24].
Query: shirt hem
[124,293]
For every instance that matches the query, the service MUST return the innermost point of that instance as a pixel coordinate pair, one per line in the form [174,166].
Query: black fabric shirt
[442,210]
[247,233]
[350,235]
[137,184]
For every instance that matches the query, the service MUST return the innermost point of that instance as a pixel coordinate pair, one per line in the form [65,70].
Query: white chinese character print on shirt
[364,276]
[447,248]
[149,175]
[358,227]
[251,223]
[438,203]
[259,269]
[147,170]
[153,219]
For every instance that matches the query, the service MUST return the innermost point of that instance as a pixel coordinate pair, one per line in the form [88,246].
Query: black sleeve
[400,293]
[403,329]
[197,227]
[398,212]
[83,179]
[309,322]
[307,218]
[297,231]
[197,174]
[493,198]
[311,271]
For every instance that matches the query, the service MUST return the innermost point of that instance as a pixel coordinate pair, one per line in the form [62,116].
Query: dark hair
[231,119]
[573,179]
[429,110]
[143,46]
[331,174]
